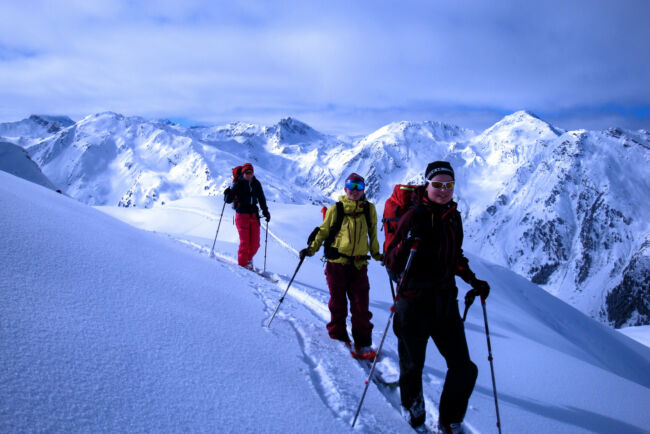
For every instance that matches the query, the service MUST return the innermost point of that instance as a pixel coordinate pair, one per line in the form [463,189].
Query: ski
[378,377]
[265,274]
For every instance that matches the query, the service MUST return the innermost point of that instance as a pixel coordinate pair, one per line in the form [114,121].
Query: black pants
[437,318]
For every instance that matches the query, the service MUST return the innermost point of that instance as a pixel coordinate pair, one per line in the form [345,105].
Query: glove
[379,257]
[481,288]
[303,253]
[267,215]
[226,192]
[412,236]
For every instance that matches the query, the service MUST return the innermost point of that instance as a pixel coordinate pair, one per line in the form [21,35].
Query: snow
[107,327]
[640,334]
[14,160]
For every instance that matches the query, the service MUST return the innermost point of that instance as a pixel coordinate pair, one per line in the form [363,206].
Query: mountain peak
[295,126]
[524,119]
[64,121]
[291,130]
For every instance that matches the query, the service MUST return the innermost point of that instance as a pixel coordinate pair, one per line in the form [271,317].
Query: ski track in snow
[339,388]
[215,218]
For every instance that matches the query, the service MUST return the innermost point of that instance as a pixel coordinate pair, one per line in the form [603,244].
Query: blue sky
[341,66]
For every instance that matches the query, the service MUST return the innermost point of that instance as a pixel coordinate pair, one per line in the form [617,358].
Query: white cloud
[204,60]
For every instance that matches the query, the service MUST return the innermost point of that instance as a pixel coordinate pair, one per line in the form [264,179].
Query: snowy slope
[14,160]
[108,328]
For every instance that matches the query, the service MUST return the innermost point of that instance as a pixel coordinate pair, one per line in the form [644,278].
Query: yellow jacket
[355,239]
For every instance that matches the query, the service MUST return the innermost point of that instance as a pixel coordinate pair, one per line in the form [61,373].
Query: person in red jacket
[246,192]
[426,306]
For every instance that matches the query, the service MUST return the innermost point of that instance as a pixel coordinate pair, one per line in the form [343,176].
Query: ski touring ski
[379,377]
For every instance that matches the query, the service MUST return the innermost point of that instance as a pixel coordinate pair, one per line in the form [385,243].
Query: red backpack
[236,172]
[396,205]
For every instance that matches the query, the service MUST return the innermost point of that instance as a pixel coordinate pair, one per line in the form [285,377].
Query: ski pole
[218,226]
[414,248]
[266,239]
[285,291]
[390,280]
[494,386]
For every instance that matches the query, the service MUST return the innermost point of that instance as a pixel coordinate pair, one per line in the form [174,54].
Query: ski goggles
[355,184]
[439,184]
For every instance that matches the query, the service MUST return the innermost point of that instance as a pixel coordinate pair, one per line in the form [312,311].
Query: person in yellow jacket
[346,272]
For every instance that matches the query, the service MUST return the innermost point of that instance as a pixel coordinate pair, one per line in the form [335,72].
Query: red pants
[346,281]
[248,226]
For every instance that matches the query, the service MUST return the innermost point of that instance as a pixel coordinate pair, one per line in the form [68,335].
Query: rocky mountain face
[564,208]
[569,215]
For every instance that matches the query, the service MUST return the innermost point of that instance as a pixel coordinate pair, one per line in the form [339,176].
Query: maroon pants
[248,226]
[346,281]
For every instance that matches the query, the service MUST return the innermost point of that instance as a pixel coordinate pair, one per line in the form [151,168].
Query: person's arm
[230,193]
[262,200]
[372,234]
[323,231]
[479,287]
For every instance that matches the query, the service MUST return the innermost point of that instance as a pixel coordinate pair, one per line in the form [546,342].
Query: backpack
[331,252]
[236,172]
[396,205]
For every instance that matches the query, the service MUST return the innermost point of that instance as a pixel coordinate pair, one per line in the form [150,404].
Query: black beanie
[438,168]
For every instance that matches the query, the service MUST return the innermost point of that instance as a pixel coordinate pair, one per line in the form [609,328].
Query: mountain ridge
[559,207]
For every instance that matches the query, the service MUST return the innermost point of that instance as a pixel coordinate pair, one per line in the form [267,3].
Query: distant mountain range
[567,209]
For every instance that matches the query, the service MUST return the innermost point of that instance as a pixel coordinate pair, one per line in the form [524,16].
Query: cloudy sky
[341,66]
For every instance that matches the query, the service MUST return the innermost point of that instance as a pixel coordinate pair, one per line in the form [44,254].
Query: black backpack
[331,252]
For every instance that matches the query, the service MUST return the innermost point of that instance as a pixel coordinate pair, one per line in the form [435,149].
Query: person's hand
[303,253]
[267,215]
[226,192]
[378,257]
[481,287]
[412,236]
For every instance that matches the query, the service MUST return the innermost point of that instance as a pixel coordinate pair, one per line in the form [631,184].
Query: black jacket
[439,257]
[245,196]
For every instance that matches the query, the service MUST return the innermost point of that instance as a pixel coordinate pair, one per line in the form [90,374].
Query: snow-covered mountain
[32,129]
[108,328]
[566,210]
[15,160]
[563,208]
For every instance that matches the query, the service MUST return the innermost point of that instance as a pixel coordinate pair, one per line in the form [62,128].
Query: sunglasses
[439,184]
[248,172]
[355,184]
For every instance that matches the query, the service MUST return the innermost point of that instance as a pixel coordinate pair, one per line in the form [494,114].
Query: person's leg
[360,315]
[243,227]
[449,337]
[254,240]
[337,281]
[411,327]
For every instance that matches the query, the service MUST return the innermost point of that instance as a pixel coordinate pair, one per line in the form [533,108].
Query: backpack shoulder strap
[340,214]
[366,212]
[336,227]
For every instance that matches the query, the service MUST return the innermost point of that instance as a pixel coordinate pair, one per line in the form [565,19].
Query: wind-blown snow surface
[104,327]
